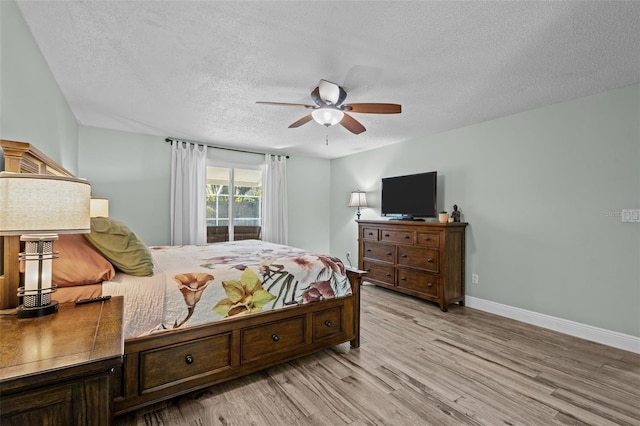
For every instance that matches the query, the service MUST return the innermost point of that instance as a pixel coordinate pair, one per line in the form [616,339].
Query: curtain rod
[222,147]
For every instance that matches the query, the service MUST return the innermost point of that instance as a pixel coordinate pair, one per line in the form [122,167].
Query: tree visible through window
[234,203]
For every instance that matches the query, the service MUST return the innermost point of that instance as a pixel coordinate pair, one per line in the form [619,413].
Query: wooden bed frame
[161,366]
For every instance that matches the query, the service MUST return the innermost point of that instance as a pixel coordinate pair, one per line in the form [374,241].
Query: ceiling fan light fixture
[327,116]
[329,109]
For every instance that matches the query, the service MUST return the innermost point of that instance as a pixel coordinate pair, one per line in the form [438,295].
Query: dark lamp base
[40,311]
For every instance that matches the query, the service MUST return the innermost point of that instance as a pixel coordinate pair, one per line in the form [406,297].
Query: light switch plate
[631,215]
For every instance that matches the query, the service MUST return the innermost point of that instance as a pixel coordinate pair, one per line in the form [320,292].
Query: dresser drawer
[271,338]
[422,282]
[183,361]
[396,236]
[327,323]
[418,257]
[383,252]
[379,272]
[370,233]
[428,239]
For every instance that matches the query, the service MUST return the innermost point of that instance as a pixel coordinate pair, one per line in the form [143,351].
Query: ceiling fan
[329,108]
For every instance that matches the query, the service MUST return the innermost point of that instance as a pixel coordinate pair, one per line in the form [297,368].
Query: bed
[207,314]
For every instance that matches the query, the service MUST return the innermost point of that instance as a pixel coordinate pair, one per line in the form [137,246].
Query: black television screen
[410,196]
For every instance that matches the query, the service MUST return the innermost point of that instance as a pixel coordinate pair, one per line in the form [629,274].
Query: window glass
[235,217]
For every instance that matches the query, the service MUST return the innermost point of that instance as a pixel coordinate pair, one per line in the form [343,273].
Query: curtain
[274,200]
[188,193]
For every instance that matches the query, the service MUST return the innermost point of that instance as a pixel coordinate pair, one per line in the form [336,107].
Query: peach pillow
[71,294]
[78,263]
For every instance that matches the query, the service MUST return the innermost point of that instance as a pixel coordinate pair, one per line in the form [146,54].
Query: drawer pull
[189,359]
[388,274]
[406,237]
[369,250]
[403,278]
[403,255]
[429,285]
[328,323]
[427,239]
[386,235]
[429,259]
[389,253]
[368,270]
[275,337]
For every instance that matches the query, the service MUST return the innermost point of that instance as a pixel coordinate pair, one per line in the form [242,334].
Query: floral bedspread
[217,281]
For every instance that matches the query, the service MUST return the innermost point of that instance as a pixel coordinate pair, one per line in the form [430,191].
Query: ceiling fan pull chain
[327,140]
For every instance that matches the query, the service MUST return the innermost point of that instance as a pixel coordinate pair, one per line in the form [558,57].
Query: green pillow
[120,246]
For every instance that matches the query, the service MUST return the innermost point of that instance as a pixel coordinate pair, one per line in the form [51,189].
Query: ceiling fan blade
[352,125]
[284,104]
[307,118]
[374,108]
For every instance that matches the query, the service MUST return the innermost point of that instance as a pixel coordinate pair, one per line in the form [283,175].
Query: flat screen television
[410,197]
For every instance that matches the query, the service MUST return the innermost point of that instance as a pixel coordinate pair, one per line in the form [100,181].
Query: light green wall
[134,172]
[32,107]
[542,192]
[309,198]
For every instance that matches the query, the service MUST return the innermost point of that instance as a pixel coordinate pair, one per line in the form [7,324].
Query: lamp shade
[99,207]
[43,204]
[358,199]
[327,116]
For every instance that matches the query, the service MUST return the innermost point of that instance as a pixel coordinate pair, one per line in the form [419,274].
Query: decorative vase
[443,217]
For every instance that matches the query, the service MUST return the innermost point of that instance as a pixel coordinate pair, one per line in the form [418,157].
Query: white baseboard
[572,328]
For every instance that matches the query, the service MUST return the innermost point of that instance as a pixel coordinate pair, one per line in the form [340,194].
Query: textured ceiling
[194,69]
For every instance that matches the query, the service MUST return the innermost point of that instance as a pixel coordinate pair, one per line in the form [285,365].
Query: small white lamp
[358,199]
[38,207]
[99,207]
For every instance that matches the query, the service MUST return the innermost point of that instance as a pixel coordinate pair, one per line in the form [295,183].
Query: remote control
[93,299]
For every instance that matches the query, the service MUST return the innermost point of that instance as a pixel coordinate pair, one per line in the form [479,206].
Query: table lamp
[358,199]
[99,207]
[38,207]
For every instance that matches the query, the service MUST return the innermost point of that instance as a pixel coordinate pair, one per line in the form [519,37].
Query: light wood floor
[420,366]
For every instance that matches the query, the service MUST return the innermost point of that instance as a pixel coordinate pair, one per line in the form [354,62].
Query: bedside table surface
[75,335]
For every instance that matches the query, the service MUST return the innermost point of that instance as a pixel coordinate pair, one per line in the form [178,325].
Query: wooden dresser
[423,259]
[57,369]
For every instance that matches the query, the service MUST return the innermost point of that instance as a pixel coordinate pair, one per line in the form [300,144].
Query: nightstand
[57,369]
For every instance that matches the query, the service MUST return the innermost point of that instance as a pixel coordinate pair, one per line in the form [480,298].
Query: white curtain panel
[274,200]
[188,193]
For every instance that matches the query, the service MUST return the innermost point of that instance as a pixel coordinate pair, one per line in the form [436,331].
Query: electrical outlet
[474,278]
[631,215]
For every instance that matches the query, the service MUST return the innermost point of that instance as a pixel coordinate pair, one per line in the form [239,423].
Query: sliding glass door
[234,203]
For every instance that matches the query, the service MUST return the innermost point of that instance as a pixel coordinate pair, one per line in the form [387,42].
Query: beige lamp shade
[358,199]
[99,207]
[43,204]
